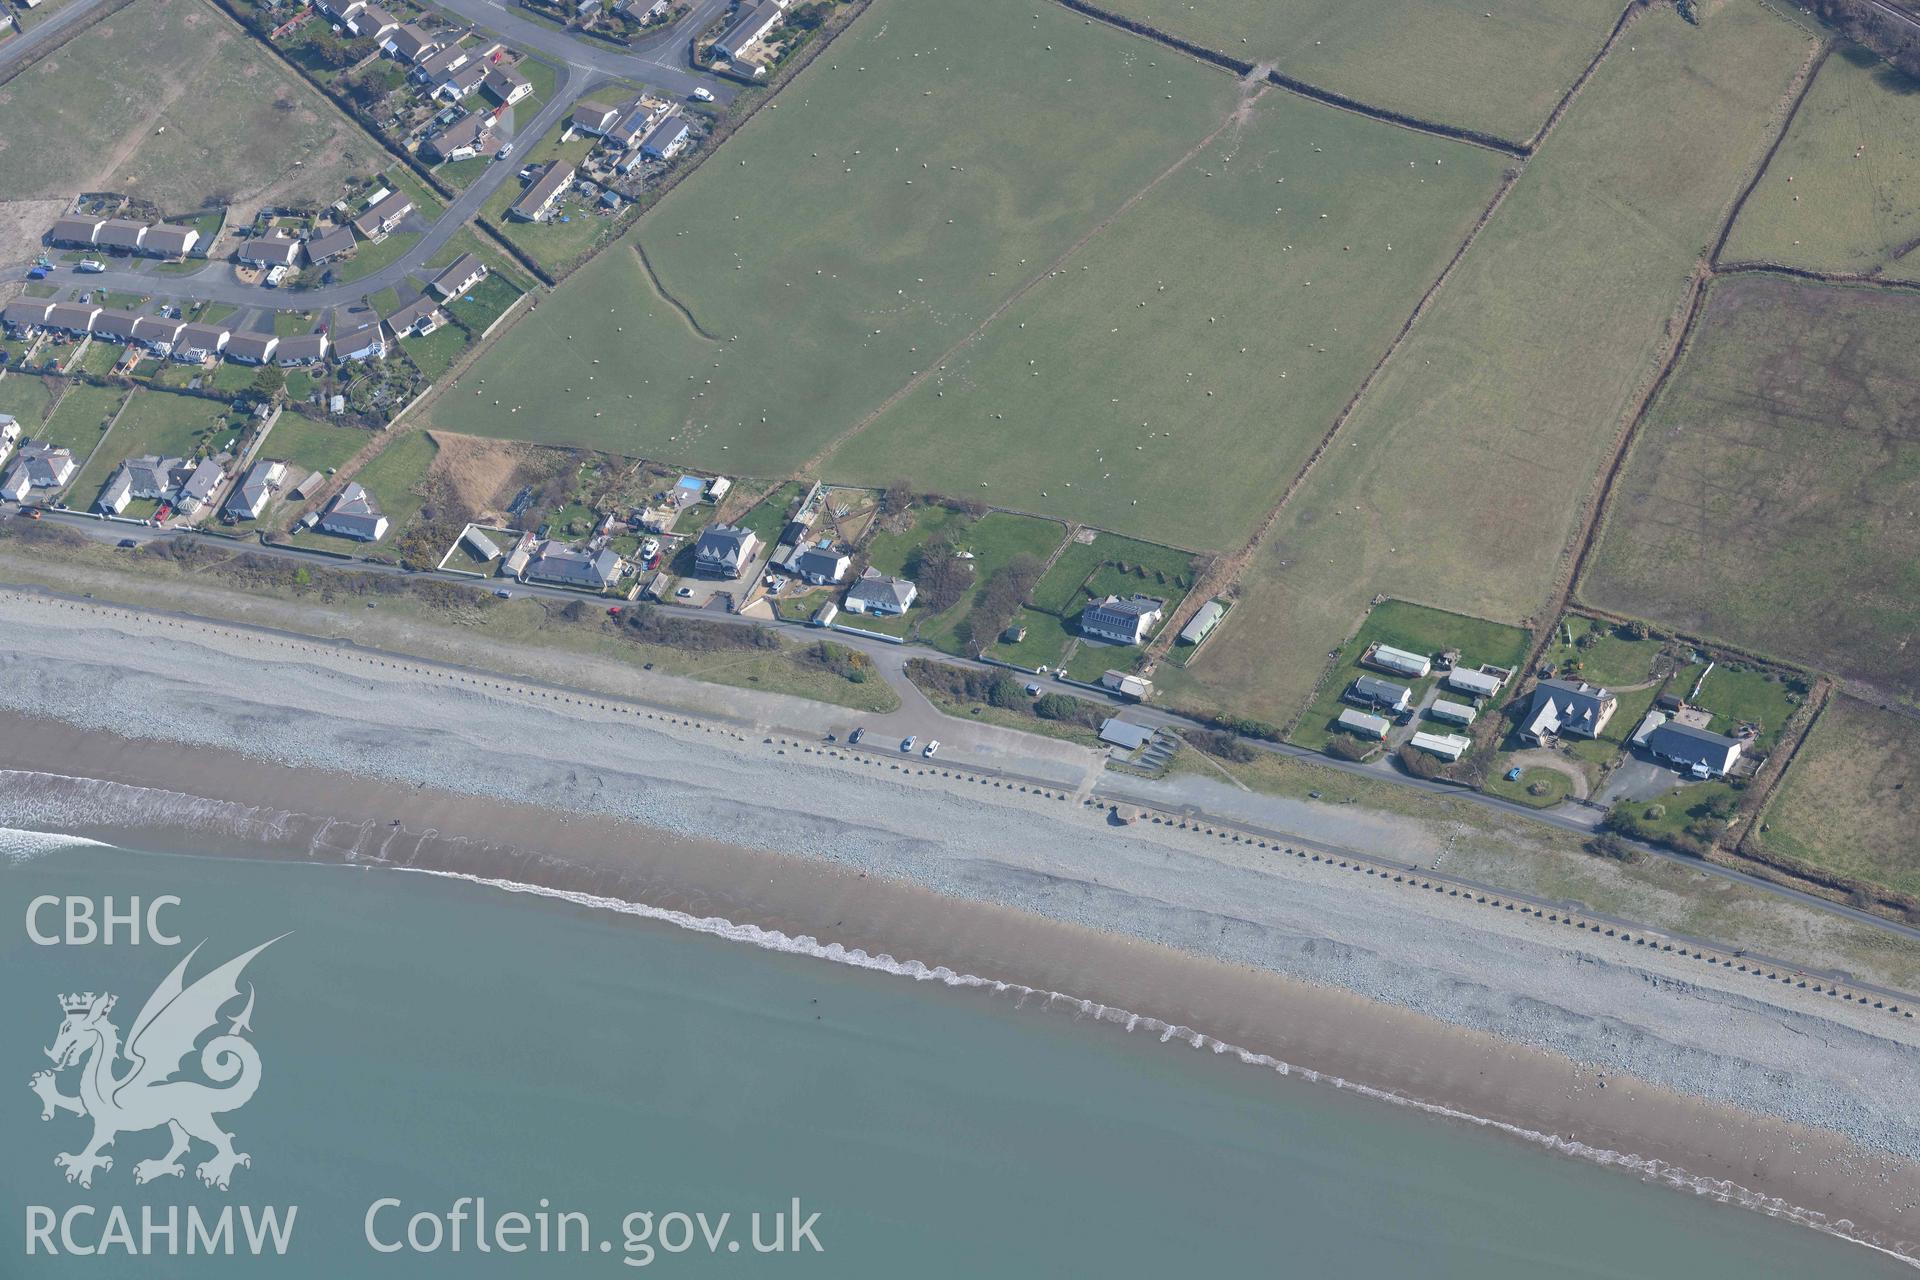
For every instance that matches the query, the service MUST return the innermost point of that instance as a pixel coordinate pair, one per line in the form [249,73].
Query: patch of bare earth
[471,473]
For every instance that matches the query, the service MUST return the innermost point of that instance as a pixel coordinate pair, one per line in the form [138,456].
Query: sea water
[442,1064]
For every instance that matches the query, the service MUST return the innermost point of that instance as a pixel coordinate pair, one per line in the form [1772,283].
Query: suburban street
[580,67]
[47,33]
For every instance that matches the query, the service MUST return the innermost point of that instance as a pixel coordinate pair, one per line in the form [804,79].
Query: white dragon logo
[146,1096]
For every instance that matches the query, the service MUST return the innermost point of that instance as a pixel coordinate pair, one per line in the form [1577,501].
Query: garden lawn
[27,398]
[156,422]
[1741,694]
[394,477]
[1463,473]
[1769,497]
[306,444]
[1172,379]
[1843,192]
[1496,66]
[825,279]
[995,540]
[1614,659]
[81,416]
[1045,644]
[1850,802]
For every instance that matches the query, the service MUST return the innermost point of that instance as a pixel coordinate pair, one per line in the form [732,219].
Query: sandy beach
[1754,1091]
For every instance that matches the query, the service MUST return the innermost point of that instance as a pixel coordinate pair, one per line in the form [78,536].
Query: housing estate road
[49,31]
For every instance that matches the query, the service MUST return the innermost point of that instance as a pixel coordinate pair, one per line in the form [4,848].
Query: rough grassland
[1842,211]
[169,101]
[1462,474]
[1769,499]
[1443,60]
[1851,801]
[1172,379]
[893,194]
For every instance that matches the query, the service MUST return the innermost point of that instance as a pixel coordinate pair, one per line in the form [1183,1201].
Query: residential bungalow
[157,334]
[74,233]
[1479,684]
[1203,622]
[441,63]
[409,42]
[48,466]
[198,488]
[1695,752]
[1131,687]
[1362,724]
[329,245]
[821,564]
[506,86]
[24,315]
[537,202]
[631,128]
[165,240]
[1398,662]
[574,566]
[1571,707]
[454,282]
[119,235]
[116,493]
[464,139]
[462,83]
[116,326]
[15,485]
[590,115]
[249,497]
[196,343]
[880,596]
[1371,691]
[251,348]
[373,23]
[123,235]
[1452,712]
[1448,746]
[667,138]
[383,217]
[149,477]
[1120,621]
[724,551]
[753,23]
[417,319]
[269,250]
[354,514]
[308,348]
[340,11]
[72,317]
[358,339]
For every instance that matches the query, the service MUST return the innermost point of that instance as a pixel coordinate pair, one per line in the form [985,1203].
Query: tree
[269,383]
[1419,763]
[1005,692]
[1344,746]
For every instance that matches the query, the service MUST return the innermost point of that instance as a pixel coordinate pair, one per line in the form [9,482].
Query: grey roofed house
[358,339]
[72,316]
[590,115]
[15,485]
[878,594]
[1567,706]
[249,497]
[409,42]
[819,565]
[506,85]
[198,487]
[1123,621]
[150,475]
[354,514]
[302,349]
[1202,622]
[198,341]
[635,119]
[724,550]
[755,20]
[269,251]
[542,192]
[48,466]
[156,331]
[417,317]
[1125,734]
[1477,683]
[252,348]
[372,21]
[1704,754]
[118,325]
[116,493]
[461,81]
[383,217]
[575,566]
[666,137]
[439,64]
[119,233]
[75,232]
[167,240]
[329,244]
[464,138]
[1362,723]
[465,273]
[25,313]
[1372,691]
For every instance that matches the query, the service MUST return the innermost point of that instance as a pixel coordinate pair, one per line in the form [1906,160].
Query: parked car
[1513,774]
[1033,690]
[853,739]
[503,152]
[91,266]
[126,543]
[931,748]
[906,743]
[503,593]
[701,93]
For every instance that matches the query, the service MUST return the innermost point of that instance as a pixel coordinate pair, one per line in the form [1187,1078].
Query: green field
[224,124]
[306,444]
[828,281]
[1769,496]
[157,422]
[1172,379]
[26,398]
[1843,192]
[1089,569]
[1462,474]
[1416,629]
[1850,802]
[81,416]
[394,477]
[1496,66]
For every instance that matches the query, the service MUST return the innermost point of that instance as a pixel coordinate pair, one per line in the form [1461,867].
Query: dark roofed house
[409,42]
[329,245]
[249,497]
[593,116]
[821,564]
[74,233]
[117,326]
[25,313]
[880,596]
[753,22]
[48,466]
[1122,621]
[1372,691]
[251,348]
[665,140]
[724,551]
[442,63]
[169,241]
[1694,751]
[354,514]
[461,82]
[575,566]
[306,348]
[537,201]
[120,234]
[506,85]
[466,272]
[373,22]
[1567,707]
[635,119]
[416,320]
[197,342]
[358,338]
[464,139]
[198,488]
[73,317]
[383,217]
[269,251]
[157,333]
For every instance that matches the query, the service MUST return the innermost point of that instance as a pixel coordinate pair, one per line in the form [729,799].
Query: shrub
[1226,746]
[1419,763]
[1609,845]
[1344,746]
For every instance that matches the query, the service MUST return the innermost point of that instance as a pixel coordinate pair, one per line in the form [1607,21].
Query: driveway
[1542,758]
[1637,778]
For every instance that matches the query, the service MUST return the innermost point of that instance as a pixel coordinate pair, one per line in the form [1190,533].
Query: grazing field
[1495,66]
[1850,802]
[157,422]
[1174,376]
[1843,192]
[167,100]
[81,416]
[1769,498]
[897,191]
[1462,475]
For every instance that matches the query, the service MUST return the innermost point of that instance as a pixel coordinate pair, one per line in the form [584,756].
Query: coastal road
[891,660]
